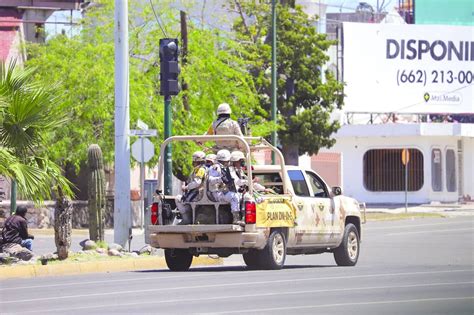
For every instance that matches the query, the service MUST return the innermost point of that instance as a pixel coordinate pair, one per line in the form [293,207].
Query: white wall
[354,148]
[468,166]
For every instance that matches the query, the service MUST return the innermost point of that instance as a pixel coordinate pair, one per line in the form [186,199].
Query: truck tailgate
[196,228]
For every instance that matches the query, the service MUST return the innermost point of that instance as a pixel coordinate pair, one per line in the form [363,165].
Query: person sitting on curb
[15,229]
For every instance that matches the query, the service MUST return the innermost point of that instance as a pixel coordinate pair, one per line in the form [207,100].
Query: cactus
[96,193]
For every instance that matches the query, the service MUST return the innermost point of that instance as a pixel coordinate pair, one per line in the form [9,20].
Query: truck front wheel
[274,254]
[178,259]
[347,253]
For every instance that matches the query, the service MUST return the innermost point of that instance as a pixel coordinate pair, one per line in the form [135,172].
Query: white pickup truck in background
[304,216]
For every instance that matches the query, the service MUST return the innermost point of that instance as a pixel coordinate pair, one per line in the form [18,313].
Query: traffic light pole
[168,164]
[274,80]
[169,71]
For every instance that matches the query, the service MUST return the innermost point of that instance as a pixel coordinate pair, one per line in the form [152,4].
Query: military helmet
[211,157]
[224,108]
[223,155]
[237,156]
[199,156]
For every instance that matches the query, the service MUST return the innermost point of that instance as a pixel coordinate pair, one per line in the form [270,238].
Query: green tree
[305,101]
[27,114]
[214,71]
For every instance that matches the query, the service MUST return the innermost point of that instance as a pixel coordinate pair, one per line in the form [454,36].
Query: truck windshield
[299,183]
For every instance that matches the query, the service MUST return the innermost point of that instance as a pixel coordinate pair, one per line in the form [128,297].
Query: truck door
[305,230]
[326,220]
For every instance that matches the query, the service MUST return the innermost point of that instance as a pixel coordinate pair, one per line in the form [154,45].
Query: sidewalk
[449,210]
[44,240]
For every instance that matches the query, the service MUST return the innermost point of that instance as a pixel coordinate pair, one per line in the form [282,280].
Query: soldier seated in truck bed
[194,189]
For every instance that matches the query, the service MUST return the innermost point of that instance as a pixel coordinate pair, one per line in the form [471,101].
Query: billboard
[453,12]
[408,68]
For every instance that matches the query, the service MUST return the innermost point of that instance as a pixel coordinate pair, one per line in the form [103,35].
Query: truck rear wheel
[251,259]
[274,254]
[178,259]
[347,253]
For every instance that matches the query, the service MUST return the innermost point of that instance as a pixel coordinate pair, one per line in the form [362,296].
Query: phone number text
[435,76]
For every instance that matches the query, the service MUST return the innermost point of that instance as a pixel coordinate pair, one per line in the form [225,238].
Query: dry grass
[383,216]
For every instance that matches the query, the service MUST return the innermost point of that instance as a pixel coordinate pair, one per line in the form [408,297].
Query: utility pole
[184,59]
[274,78]
[122,212]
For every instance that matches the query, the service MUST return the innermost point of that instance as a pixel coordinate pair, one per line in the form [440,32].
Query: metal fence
[385,171]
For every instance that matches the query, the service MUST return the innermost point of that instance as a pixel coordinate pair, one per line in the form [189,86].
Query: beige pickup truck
[303,216]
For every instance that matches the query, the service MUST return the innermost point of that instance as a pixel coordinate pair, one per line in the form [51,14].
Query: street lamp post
[274,76]
[122,213]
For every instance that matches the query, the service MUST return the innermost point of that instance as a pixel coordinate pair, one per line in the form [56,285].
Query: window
[450,170]
[385,171]
[299,183]
[270,180]
[319,189]
[436,178]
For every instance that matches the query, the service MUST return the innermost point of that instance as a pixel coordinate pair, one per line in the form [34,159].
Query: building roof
[406,130]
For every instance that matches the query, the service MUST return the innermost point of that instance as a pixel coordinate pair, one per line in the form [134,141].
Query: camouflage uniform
[220,191]
[224,125]
[193,189]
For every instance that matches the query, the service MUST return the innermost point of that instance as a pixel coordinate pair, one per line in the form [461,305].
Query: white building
[397,78]
[440,165]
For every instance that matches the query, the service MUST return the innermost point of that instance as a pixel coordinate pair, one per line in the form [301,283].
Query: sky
[350,5]
[333,6]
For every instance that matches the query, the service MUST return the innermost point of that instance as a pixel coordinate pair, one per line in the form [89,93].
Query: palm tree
[28,113]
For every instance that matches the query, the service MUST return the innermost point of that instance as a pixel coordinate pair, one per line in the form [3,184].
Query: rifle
[189,195]
[244,124]
[228,180]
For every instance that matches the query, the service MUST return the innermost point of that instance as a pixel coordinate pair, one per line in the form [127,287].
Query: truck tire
[251,259]
[178,259]
[273,256]
[347,253]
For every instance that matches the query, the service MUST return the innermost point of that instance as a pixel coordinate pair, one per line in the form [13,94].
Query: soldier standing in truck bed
[224,125]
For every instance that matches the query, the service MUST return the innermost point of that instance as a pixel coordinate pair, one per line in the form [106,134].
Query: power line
[157,19]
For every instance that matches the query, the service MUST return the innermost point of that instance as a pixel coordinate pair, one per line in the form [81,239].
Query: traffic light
[169,68]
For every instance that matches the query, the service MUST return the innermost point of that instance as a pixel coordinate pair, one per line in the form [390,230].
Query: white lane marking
[249,296]
[258,310]
[230,285]
[432,231]
[116,280]
[186,275]
[414,225]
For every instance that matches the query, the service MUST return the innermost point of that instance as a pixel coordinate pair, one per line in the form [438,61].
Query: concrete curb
[73,268]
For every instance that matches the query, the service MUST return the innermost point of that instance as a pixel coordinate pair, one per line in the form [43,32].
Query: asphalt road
[422,266]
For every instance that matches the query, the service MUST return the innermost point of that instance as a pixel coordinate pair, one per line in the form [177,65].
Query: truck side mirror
[336,190]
